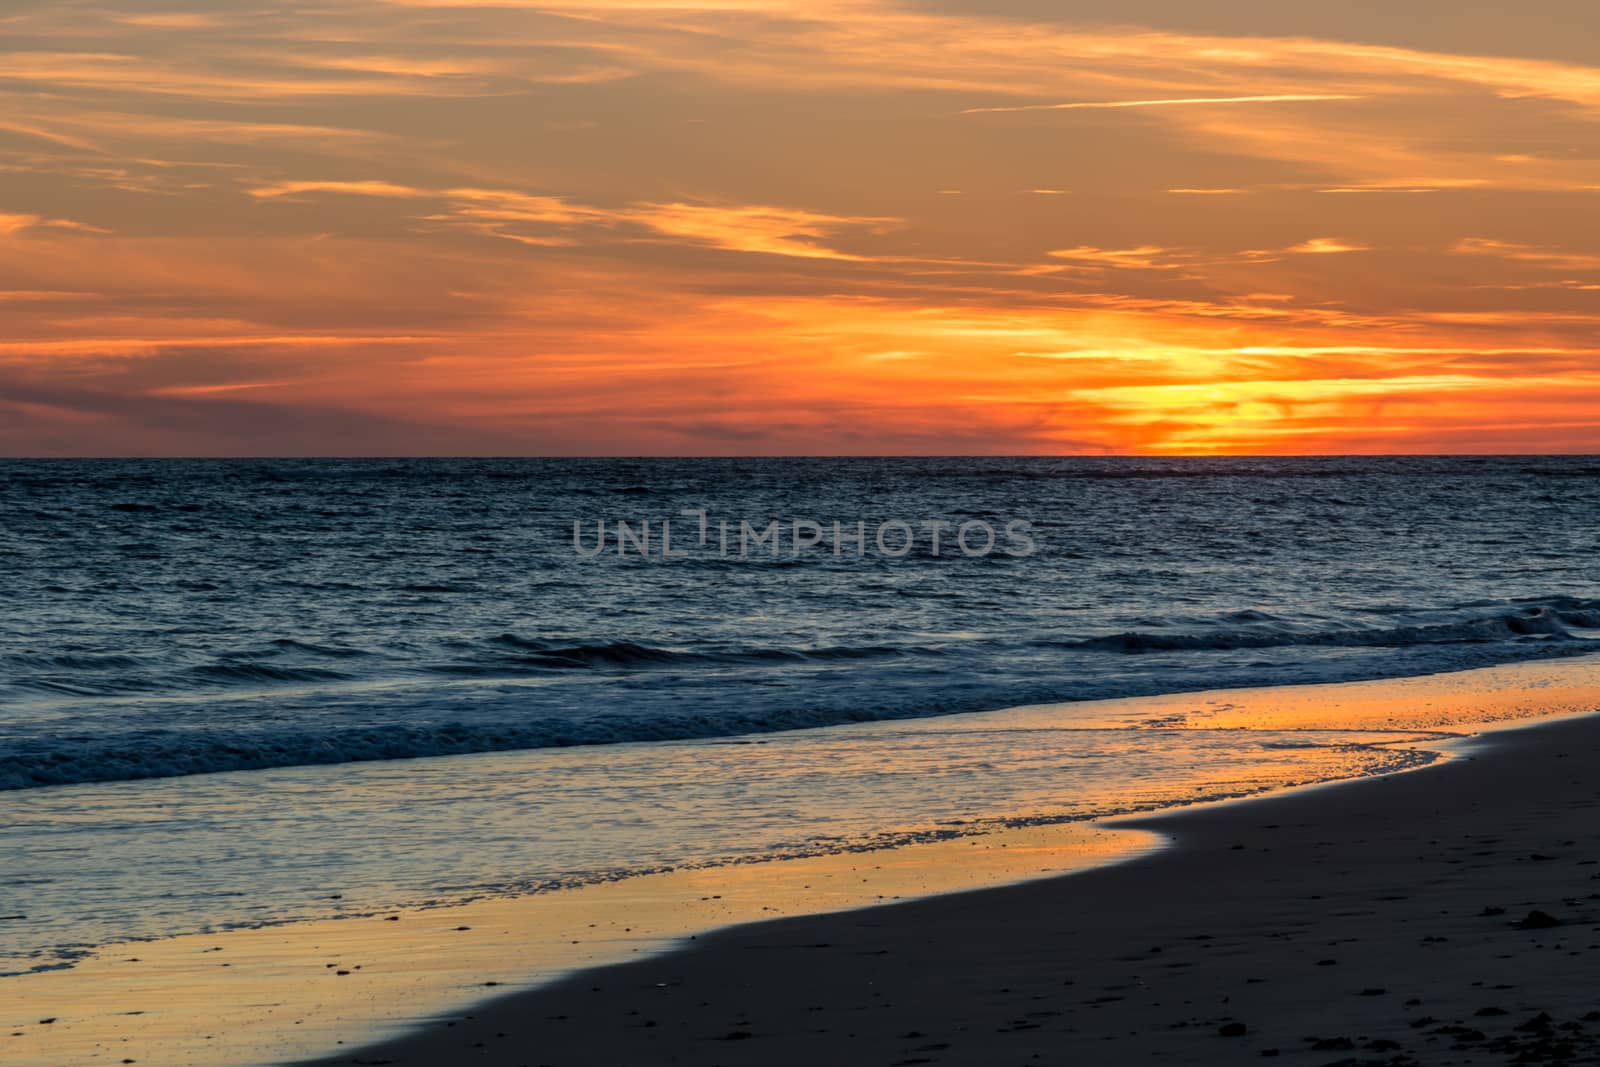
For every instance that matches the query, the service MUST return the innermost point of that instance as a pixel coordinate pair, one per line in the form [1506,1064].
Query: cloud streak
[768,230]
[12,225]
[1099,105]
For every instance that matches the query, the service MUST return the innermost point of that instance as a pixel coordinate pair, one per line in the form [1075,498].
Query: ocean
[227,685]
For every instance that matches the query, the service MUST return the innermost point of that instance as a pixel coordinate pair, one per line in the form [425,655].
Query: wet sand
[272,994]
[1450,915]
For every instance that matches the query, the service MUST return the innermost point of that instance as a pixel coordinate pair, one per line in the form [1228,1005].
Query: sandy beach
[1449,915]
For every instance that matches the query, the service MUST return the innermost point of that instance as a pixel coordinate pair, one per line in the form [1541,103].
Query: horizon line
[270,457]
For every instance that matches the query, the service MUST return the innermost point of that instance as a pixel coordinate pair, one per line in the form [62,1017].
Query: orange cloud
[1145,257]
[1282,98]
[757,225]
[775,231]
[1543,257]
[13,224]
[1322,246]
[279,190]
[734,227]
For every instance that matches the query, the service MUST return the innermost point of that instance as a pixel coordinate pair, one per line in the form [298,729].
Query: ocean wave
[752,703]
[83,687]
[311,648]
[234,673]
[1536,622]
[169,754]
[71,661]
[556,655]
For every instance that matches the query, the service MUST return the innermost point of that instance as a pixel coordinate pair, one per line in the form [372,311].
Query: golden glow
[769,226]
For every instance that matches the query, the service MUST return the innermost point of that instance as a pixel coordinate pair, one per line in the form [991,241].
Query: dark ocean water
[174,617]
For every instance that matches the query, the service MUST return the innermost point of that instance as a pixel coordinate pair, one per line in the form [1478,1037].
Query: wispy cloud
[1283,98]
[1403,185]
[42,296]
[291,190]
[13,224]
[1145,257]
[65,140]
[765,229]
[1543,257]
[745,228]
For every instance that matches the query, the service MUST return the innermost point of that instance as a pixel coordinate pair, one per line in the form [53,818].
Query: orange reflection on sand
[1472,701]
[291,992]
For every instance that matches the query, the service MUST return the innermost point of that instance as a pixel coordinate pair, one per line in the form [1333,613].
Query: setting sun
[583,227]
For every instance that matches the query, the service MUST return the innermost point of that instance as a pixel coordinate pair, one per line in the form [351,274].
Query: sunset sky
[749,227]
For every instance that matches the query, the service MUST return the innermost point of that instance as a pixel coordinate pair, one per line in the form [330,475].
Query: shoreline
[1393,919]
[1176,690]
[281,1003]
